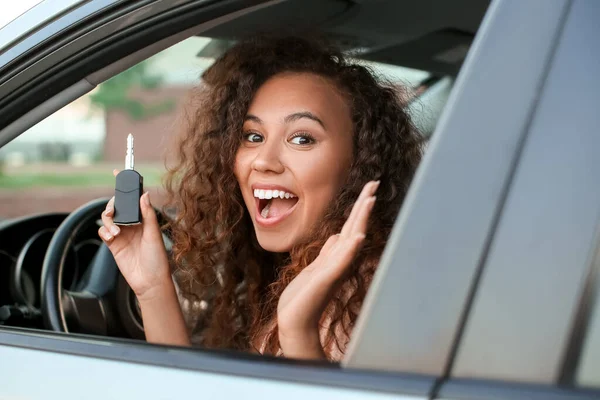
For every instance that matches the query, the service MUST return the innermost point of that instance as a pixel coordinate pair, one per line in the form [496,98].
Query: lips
[273,204]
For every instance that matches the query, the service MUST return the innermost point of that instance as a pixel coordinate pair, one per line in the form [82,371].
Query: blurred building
[83,133]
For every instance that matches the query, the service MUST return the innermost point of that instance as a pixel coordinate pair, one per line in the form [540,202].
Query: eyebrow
[290,118]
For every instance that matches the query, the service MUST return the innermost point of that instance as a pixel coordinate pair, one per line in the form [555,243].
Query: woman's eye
[253,137]
[302,139]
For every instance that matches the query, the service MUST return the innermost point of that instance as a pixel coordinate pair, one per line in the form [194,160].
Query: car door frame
[538,278]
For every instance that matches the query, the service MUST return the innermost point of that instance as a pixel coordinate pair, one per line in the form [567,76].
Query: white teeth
[271,194]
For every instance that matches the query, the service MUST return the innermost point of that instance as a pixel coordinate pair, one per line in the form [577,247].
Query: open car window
[67,160]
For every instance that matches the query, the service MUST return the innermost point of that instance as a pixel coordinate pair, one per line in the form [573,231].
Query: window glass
[66,160]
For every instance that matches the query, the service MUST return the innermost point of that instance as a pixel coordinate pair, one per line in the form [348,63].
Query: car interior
[55,274]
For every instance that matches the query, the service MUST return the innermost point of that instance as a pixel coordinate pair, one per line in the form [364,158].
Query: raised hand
[303,301]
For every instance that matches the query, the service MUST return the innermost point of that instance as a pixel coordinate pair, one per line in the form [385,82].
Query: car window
[67,159]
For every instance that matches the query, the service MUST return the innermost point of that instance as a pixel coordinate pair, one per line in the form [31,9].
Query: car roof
[432,35]
[12,10]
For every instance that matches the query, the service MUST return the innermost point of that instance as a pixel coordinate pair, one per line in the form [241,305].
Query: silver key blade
[129,162]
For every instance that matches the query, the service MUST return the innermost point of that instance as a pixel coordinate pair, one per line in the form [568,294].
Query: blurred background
[68,158]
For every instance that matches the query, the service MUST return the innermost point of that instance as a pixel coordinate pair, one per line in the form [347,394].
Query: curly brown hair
[215,247]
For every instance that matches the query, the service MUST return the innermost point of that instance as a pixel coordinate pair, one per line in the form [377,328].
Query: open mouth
[274,205]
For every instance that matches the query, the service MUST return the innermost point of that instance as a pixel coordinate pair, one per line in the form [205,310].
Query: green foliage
[114,93]
[152,177]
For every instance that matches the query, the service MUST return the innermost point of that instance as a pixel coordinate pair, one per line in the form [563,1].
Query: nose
[268,158]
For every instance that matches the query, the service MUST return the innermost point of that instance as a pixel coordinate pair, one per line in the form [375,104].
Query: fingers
[362,219]
[343,248]
[350,221]
[116,172]
[338,256]
[358,209]
[329,244]
[109,230]
[362,216]
[105,235]
[148,213]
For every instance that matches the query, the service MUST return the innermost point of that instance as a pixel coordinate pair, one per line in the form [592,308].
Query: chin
[273,243]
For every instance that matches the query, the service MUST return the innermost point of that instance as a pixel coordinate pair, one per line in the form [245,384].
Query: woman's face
[295,155]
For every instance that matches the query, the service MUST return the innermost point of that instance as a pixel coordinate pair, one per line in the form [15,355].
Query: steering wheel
[103,303]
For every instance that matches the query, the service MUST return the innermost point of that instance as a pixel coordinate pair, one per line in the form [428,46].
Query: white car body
[488,285]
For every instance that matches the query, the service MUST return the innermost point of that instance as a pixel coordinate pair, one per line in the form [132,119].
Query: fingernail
[114,230]
[147,198]
[108,236]
[375,187]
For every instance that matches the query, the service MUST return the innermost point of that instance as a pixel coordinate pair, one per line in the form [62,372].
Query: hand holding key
[140,254]
[138,249]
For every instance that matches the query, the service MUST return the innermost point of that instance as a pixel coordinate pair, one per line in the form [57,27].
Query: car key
[128,190]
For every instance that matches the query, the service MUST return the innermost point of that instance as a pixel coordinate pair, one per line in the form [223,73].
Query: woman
[278,228]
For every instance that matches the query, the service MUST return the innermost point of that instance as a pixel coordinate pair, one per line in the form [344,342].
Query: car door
[532,327]
[413,320]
